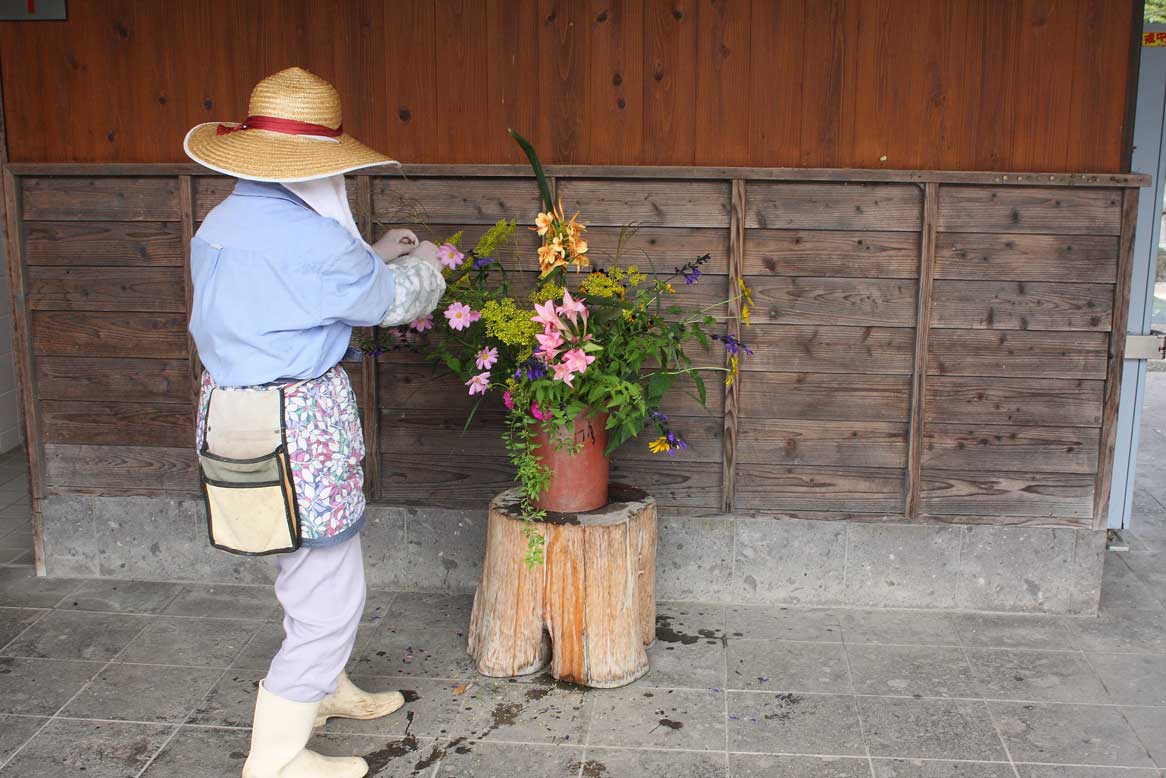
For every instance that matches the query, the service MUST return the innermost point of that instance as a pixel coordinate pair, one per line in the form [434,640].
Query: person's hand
[395,243]
[428,252]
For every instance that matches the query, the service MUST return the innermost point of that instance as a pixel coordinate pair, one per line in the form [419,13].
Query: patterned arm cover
[419,286]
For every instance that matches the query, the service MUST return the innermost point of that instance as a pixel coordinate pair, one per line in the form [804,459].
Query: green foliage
[1155,11]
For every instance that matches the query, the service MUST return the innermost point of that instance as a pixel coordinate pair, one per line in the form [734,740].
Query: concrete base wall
[737,559]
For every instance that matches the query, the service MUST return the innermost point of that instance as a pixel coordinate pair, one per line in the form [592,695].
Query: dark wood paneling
[826,349]
[127,380]
[689,485]
[992,447]
[853,302]
[843,206]
[103,243]
[117,423]
[648,203]
[866,490]
[90,198]
[826,396]
[1012,257]
[1022,305]
[1017,401]
[837,254]
[1013,353]
[831,443]
[1031,209]
[106,289]
[105,334]
[454,201]
[1007,493]
[121,467]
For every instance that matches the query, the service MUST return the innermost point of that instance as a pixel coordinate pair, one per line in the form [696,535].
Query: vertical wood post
[733,325]
[911,485]
[22,353]
[369,389]
[1116,358]
[186,214]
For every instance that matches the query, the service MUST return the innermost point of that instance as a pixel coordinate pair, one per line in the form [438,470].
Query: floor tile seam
[991,718]
[18,635]
[1133,730]
[857,708]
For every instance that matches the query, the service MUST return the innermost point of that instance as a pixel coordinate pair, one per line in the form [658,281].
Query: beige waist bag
[246,474]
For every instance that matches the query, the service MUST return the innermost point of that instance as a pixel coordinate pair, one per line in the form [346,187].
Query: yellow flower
[669,288]
[543,222]
[734,366]
[550,257]
[659,445]
[578,246]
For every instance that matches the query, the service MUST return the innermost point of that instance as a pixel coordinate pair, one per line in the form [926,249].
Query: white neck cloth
[328,197]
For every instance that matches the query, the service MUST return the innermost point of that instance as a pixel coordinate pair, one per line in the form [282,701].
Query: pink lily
[486,358]
[572,308]
[549,343]
[577,360]
[547,316]
[564,373]
[479,383]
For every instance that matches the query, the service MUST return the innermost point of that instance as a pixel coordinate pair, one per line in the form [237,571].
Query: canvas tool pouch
[246,473]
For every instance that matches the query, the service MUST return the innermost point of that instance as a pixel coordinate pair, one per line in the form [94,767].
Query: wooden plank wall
[999,409]
[982,84]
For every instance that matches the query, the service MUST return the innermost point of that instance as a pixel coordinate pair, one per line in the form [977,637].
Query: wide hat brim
[261,155]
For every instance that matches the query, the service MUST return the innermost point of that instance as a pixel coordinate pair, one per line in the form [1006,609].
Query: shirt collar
[247,188]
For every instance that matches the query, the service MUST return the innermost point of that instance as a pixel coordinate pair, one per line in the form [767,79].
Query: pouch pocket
[250,503]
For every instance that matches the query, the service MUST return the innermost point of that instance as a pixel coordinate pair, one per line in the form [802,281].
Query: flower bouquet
[581,363]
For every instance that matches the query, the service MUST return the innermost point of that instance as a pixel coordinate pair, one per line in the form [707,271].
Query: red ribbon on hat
[285,126]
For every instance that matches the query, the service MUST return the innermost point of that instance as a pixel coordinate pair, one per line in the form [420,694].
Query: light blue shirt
[278,288]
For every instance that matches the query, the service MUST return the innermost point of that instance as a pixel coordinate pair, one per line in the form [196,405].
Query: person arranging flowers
[281,276]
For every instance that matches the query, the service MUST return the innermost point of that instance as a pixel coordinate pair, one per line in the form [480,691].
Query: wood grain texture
[113,423]
[452,201]
[732,389]
[648,203]
[842,206]
[923,307]
[1048,211]
[1014,493]
[829,443]
[769,487]
[1022,305]
[1014,257]
[106,289]
[122,468]
[836,254]
[1015,401]
[830,349]
[1006,353]
[826,396]
[105,244]
[126,379]
[1001,447]
[107,334]
[853,302]
[99,199]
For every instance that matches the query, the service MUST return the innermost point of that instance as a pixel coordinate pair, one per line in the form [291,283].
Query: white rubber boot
[281,730]
[351,702]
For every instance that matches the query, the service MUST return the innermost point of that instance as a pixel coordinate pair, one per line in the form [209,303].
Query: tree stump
[587,612]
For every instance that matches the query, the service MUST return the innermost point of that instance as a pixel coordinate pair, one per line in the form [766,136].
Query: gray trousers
[322,592]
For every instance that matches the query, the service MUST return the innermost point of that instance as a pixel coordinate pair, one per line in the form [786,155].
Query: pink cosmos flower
[564,373]
[572,308]
[547,316]
[540,414]
[486,358]
[549,343]
[508,400]
[448,255]
[422,324]
[461,316]
[577,360]
[479,383]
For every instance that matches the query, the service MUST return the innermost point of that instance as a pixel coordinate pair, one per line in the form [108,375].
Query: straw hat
[292,133]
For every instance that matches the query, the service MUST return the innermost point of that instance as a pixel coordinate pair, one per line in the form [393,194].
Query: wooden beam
[1138,15]
[737,211]
[1116,359]
[671,172]
[186,215]
[913,479]
[23,358]
[369,388]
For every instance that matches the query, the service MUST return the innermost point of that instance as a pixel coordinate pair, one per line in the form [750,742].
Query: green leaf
[543,186]
[700,389]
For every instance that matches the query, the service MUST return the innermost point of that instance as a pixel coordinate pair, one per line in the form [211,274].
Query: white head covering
[328,197]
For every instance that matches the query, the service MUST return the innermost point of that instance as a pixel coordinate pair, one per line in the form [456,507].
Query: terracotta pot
[579,480]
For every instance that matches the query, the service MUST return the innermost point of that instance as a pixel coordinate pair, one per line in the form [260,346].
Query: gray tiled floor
[108,679]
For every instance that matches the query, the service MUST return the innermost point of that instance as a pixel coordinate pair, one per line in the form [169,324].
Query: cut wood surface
[1012,257]
[831,443]
[92,198]
[864,254]
[865,490]
[109,334]
[853,302]
[1007,493]
[106,289]
[1022,305]
[830,349]
[587,612]
[1000,447]
[1000,353]
[124,379]
[825,396]
[1014,401]
[103,243]
[647,203]
[456,201]
[117,423]
[122,467]
[842,206]
[1055,211]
